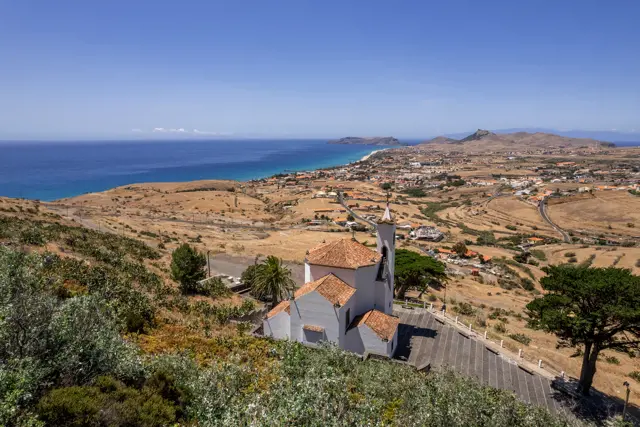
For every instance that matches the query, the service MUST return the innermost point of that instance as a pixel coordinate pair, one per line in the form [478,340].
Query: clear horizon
[305,69]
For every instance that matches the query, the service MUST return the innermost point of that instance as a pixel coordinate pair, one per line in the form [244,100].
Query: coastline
[368,156]
[70,170]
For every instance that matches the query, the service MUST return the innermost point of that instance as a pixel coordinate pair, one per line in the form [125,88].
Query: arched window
[383,263]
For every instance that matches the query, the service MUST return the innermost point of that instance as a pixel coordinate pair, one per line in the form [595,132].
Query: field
[615,213]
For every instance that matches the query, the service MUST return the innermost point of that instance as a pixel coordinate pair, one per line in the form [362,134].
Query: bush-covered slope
[72,332]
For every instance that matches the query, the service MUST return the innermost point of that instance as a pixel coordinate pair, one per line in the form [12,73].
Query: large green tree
[415,271]
[460,249]
[593,308]
[272,279]
[187,267]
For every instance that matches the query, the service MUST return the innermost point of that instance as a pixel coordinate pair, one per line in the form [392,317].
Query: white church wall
[318,271]
[353,341]
[350,307]
[315,310]
[392,345]
[278,326]
[296,323]
[365,283]
[372,342]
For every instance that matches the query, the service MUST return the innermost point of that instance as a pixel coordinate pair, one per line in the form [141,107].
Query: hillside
[374,140]
[520,140]
[96,333]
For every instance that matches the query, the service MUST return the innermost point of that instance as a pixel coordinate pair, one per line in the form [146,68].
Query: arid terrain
[485,192]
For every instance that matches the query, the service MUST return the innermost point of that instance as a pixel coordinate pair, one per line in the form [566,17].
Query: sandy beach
[372,153]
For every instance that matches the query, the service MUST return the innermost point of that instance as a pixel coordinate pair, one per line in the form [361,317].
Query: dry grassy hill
[519,140]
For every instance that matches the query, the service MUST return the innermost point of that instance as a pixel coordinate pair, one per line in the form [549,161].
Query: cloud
[184,131]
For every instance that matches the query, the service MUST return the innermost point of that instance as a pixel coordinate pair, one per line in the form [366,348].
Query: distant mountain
[600,135]
[604,135]
[484,139]
[477,136]
[442,140]
[374,140]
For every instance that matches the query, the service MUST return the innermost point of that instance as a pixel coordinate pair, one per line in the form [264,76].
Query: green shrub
[213,287]
[569,254]
[511,227]
[500,327]
[528,284]
[521,257]
[464,309]
[486,238]
[187,267]
[635,375]
[108,402]
[538,254]
[573,260]
[249,274]
[32,236]
[415,192]
[612,360]
[521,338]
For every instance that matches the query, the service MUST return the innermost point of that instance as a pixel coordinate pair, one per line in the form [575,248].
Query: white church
[347,297]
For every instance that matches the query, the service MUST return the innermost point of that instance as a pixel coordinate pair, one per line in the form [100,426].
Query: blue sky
[309,68]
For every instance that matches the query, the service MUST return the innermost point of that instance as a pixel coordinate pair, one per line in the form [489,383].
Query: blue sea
[54,170]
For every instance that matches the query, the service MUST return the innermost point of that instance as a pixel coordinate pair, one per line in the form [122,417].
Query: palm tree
[272,279]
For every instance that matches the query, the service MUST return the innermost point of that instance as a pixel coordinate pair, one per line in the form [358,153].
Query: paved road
[542,207]
[355,215]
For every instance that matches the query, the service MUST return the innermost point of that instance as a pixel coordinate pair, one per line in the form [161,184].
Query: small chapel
[347,297]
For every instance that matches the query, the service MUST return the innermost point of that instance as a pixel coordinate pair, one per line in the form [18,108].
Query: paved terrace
[426,340]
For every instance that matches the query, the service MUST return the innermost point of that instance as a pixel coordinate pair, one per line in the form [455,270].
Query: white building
[427,232]
[347,297]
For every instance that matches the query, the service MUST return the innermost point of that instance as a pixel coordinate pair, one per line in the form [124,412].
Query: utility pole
[626,401]
[208,265]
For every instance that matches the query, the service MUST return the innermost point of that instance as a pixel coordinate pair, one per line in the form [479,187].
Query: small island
[372,140]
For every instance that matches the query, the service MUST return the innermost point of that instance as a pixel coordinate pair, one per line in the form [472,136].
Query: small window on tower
[347,320]
[383,263]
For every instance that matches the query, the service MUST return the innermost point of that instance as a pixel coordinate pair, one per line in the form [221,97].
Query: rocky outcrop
[477,136]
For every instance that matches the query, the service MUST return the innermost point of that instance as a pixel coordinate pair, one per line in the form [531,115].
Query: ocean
[54,170]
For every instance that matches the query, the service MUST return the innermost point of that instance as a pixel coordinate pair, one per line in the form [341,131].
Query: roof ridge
[343,253]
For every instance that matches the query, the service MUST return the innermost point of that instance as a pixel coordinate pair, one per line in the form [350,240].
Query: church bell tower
[386,246]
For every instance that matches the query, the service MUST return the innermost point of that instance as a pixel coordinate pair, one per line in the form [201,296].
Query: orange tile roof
[445,251]
[331,287]
[313,328]
[283,306]
[345,253]
[536,239]
[382,324]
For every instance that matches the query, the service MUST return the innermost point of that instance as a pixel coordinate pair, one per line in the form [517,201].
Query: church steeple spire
[386,217]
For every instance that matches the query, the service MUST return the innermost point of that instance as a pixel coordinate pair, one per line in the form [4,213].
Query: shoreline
[336,162]
[368,156]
